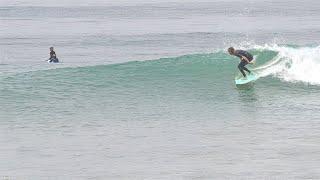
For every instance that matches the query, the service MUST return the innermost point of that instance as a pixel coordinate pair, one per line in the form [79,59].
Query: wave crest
[292,64]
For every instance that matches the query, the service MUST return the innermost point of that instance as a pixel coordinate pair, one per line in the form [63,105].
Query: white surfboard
[250,78]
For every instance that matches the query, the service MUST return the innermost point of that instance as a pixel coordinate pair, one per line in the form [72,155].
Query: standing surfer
[245,57]
[53,57]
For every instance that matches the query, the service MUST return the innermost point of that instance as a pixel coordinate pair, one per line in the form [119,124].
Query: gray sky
[90,2]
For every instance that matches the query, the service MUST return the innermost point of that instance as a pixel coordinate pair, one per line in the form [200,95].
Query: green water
[144,87]
[166,112]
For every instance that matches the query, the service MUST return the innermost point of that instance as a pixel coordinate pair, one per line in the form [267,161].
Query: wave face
[204,76]
[288,63]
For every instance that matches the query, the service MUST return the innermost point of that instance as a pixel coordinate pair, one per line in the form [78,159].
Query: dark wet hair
[230,49]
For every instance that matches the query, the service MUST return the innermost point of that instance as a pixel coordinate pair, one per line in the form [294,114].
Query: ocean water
[146,90]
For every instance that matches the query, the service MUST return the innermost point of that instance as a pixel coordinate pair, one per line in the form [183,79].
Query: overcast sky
[83,2]
[91,2]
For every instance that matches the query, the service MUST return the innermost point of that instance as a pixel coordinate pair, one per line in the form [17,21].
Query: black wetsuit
[53,57]
[243,63]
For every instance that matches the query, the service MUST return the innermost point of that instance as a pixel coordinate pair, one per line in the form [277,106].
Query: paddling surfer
[53,56]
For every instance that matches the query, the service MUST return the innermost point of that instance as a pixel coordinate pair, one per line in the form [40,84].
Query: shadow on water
[248,101]
[247,92]
[248,86]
